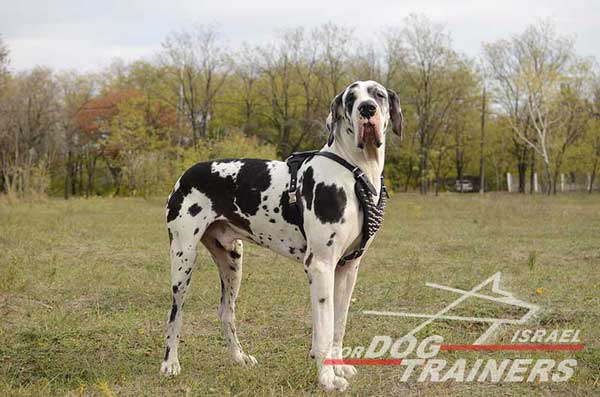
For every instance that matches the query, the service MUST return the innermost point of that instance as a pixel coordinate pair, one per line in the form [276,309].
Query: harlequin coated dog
[222,203]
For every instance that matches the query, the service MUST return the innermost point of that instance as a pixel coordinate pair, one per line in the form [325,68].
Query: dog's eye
[380,94]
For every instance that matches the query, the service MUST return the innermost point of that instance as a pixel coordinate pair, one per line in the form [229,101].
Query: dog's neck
[370,159]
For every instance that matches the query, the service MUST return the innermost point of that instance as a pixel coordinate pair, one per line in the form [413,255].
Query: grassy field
[84,297]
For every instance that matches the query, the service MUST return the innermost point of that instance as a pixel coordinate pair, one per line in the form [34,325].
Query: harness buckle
[292,197]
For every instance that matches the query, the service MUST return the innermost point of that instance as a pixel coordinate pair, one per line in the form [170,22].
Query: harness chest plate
[364,190]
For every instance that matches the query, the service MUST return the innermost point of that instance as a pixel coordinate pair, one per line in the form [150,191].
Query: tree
[4,61]
[430,71]
[198,67]
[75,91]
[28,134]
[536,74]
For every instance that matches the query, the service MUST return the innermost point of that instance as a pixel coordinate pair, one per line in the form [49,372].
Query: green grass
[84,296]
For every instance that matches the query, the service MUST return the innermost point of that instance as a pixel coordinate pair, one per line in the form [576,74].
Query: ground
[84,296]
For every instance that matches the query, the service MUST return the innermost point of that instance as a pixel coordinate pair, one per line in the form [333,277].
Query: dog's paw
[346,371]
[245,359]
[170,368]
[329,381]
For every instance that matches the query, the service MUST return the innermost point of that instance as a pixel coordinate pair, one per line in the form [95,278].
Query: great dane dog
[223,202]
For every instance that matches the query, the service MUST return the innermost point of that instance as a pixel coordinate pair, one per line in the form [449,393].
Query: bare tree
[531,72]
[335,43]
[74,92]
[248,73]
[503,68]
[275,61]
[4,60]
[199,66]
[29,128]
[428,68]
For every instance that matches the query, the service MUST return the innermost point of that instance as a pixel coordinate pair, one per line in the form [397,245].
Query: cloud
[82,34]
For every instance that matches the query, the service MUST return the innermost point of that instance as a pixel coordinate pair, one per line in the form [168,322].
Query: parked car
[463,185]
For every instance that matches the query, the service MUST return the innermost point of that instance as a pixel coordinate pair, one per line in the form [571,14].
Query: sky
[88,35]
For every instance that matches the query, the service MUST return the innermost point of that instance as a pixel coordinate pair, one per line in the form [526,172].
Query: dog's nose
[367,109]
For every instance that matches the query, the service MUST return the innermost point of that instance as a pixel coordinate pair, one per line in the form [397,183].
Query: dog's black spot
[173,311]
[174,204]
[272,220]
[235,255]
[179,269]
[331,138]
[196,230]
[264,207]
[292,250]
[330,203]
[235,199]
[349,130]
[188,270]
[308,187]
[291,213]
[179,254]
[276,210]
[303,249]
[329,243]
[332,235]
[308,260]
[349,102]
[343,221]
[167,352]
[233,268]
[322,300]
[188,280]
[265,198]
[170,236]
[175,289]
[253,179]
[194,209]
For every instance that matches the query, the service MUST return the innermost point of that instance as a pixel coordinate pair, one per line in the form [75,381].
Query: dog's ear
[395,113]
[335,115]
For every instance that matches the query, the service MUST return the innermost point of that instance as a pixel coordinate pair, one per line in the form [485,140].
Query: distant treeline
[529,104]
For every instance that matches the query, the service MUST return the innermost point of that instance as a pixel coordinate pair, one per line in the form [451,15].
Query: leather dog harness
[363,188]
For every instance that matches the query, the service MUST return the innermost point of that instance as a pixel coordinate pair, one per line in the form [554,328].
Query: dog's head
[364,110]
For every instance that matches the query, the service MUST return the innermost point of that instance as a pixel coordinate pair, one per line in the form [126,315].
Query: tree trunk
[423,170]
[481,145]
[532,173]
[551,181]
[67,172]
[408,174]
[91,171]
[593,175]
[522,167]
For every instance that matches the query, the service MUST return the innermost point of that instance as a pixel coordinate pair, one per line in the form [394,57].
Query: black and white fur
[221,203]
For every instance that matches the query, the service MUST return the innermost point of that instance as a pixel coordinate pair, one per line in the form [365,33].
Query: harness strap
[294,163]
[358,173]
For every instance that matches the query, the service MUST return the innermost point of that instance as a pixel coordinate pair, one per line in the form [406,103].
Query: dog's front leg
[345,278]
[321,280]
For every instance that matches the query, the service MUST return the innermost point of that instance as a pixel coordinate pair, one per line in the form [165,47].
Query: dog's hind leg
[227,253]
[184,237]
